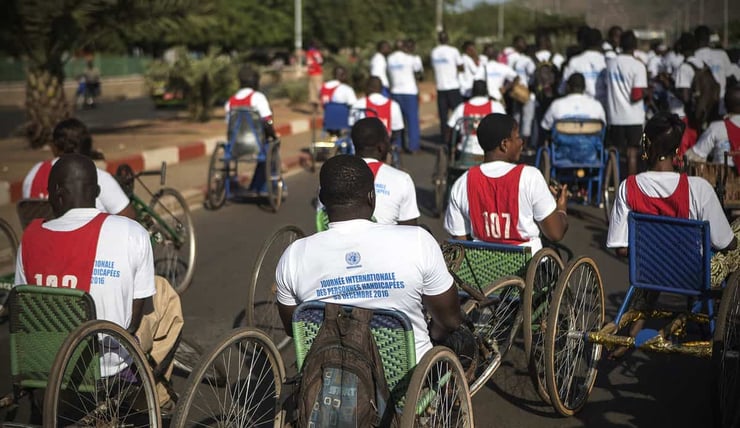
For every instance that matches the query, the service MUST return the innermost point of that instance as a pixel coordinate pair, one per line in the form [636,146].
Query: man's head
[490,51]
[498,135]
[443,38]
[628,41]
[249,78]
[374,85]
[384,47]
[662,136]
[71,136]
[340,73]
[480,88]
[582,35]
[687,43]
[543,42]
[347,188]
[73,183]
[732,99]
[468,47]
[409,45]
[520,44]
[593,39]
[370,138]
[613,36]
[703,34]
[576,84]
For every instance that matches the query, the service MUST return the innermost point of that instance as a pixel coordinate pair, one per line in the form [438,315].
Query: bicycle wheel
[274,176]
[610,183]
[542,275]
[187,357]
[261,311]
[577,308]
[544,164]
[726,356]
[438,394]
[249,396]
[100,378]
[495,323]
[218,173]
[173,238]
[440,181]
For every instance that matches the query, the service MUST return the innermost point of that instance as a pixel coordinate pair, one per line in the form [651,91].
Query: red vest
[61,259]
[374,167]
[676,205]
[40,181]
[313,62]
[478,112]
[235,102]
[733,134]
[327,93]
[383,112]
[494,206]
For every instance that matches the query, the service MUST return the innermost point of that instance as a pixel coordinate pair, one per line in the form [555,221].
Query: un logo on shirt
[352,258]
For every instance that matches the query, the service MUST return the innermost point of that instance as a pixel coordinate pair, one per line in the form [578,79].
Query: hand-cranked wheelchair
[334,136]
[725,179]
[246,142]
[576,155]
[666,255]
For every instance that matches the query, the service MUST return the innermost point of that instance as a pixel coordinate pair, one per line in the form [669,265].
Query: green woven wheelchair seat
[482,263]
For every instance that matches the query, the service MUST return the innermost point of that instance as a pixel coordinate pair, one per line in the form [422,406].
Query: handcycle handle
[161,172]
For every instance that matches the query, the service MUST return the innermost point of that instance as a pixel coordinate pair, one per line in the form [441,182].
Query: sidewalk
[145,144]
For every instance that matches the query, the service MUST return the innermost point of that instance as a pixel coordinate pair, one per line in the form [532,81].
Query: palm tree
[44,33]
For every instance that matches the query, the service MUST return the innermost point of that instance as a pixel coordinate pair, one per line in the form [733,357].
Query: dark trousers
[446,103]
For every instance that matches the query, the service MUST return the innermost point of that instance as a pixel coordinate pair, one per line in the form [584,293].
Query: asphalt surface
[638,391]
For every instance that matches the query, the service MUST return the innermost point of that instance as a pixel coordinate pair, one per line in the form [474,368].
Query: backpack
[704,96]
[342,382]
[546,77]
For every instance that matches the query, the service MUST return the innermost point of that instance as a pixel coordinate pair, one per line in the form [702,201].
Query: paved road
[638,391]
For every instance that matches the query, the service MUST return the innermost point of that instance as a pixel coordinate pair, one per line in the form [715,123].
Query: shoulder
[126,226]
[395,173]
[700,186]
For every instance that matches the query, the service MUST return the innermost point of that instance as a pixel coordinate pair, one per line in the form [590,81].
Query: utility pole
[501,21]
[727,34]
[298,22]
[440,10]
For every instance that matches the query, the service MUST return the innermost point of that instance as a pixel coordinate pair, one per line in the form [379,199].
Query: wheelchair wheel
[495,324]
[274,178]
[610,183]
[542,275]
[570,360]
[438,394]
[173,238]
[8,250]
[218,173]
[440,181]
[187,357]
[248,396]
[261,311]
[726,356]
[544,164]
[81,392]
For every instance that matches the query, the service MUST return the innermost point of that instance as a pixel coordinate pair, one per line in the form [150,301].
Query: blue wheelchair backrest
[336,116]
[244,131]
[578,141]
[669,254]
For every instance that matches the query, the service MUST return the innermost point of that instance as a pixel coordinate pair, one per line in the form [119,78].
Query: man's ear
[371,198]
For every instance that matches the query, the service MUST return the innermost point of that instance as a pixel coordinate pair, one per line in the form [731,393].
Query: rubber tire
[610,183]
[544,164]
[275,330]
[550,335]
[533,281]
[67,351]
[485,373]
[440,181]
[187,357]
[274,177]
[187,222]
[198,377]
[216,195]
[418,386]
[727,338]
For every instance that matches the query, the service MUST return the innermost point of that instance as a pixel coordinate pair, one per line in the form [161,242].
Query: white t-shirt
[401,69]
[495,75]
[673,60]
[365,264]
[379,68]
[593,67]
[395,195]
[471,145]
[715,141]
[719,63]
[470,72]
[111,200]
[396,115]
[555,58]
[580,106]
[656,65]
[123,270]
[259,102]
[682,78]
[625,72]
[535,203]
[343,94]
[524,67]
[703,205]
[641,56]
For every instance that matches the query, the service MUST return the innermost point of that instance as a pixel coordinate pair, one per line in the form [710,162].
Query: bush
[296,91]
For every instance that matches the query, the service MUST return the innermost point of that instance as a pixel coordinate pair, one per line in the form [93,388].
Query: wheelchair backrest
[391,330]
[482,263]
[578,140]
[669,254]
[41,318]
[336,116]
[464,128]
[245,130]
[31,209]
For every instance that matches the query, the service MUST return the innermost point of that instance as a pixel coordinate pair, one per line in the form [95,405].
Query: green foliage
[296,91]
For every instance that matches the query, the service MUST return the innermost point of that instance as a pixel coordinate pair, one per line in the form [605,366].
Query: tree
[45,34]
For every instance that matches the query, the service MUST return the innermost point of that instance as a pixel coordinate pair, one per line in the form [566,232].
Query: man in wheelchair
[339,92]
[107,256]
[374,266]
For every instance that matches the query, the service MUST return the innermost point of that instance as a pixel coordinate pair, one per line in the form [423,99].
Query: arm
[129,212]
[138,309]
[445,312]
[286,316]
[555,225]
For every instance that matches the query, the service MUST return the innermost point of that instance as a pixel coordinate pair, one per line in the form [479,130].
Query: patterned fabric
[724,264]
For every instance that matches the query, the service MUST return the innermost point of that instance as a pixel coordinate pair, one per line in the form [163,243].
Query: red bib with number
[675,205]
[381,111]
[40,183]
[478,112]
[374,167]
[494,206]
[327,93]
[61,259]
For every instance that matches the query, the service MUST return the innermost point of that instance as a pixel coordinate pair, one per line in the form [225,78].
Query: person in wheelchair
[502,201]
[370,265]
[337,91]
[478,106]
[107,256]
[249,97]
[375,104]
[722,135]
[576,104]
[72,136]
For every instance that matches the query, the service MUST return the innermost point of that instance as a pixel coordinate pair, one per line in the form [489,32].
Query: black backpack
[342,382]
[704,97]
[546,77]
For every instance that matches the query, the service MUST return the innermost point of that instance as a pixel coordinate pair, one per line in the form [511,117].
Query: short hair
[345,180]
[339,70]
[249,77]
[662,136]
[72,136]
[480,88]
[614,30]
[582,33]
[703,34]
[493,129]
[732,99]
[442,37]
[373,85]
[466,44]
[368,132]
[380,44]
[687,43]
[593,38]
[576,83]
[628,41]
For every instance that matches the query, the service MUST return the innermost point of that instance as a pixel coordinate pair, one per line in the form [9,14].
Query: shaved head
[73,183]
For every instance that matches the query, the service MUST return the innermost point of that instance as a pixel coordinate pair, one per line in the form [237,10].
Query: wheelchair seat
[482,263]
[578,143]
